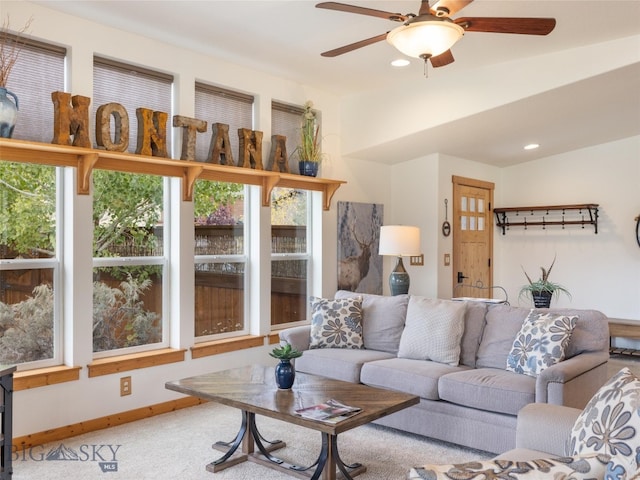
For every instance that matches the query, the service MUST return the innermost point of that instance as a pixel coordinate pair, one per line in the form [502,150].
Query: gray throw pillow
[433,330]
[383,319]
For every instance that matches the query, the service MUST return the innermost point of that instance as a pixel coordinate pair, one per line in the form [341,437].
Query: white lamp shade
[399,240]
[428,38]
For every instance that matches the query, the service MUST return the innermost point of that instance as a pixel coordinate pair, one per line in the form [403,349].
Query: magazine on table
[331,411]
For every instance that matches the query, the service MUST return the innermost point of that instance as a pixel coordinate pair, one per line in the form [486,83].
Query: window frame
[55,264]
[153,260]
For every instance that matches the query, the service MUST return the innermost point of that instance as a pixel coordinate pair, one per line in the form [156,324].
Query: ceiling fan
[431,33]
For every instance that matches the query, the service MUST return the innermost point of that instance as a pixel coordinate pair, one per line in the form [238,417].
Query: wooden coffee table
[253,390]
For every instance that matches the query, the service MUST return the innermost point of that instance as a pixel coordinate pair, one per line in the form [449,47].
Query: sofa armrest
[545,427]
[298,337]
[573,381]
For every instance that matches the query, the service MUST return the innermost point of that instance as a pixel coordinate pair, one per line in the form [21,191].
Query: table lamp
[399,241]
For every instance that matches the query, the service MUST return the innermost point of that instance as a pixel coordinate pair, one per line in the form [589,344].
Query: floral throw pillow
[610,424]
[336,323]
[574,468]
[541,342]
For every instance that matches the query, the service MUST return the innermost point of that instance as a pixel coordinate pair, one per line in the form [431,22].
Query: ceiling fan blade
[446,8]
[525,26]
[354,46]
[443,59]
[372,12]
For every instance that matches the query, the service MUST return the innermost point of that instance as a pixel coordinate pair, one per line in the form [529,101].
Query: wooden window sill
[41,377]
[216,347]
[123,363]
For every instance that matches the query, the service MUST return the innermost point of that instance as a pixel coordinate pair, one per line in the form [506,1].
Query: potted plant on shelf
[542,290]
[285,371]
[309,151]
[10,47]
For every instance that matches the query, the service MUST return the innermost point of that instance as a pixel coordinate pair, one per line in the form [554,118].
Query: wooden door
[472,237]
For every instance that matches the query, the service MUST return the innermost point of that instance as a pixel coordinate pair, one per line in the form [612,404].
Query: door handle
[461,277]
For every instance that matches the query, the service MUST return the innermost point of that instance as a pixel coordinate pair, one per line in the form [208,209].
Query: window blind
[132,87]
[219,105]
[38,71]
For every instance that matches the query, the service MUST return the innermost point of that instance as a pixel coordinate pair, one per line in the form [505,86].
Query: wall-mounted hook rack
[549,217]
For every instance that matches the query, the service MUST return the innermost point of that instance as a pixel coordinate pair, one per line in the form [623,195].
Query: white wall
[602,271]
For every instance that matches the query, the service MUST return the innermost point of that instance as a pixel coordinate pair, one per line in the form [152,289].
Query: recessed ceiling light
[531,146]
[400,62]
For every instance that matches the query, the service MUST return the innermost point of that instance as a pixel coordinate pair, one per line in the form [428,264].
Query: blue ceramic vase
[285,374]
[8,113]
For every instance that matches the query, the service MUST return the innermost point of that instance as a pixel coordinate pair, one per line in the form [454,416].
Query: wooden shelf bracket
[268,183]
[188,181]
[86,163]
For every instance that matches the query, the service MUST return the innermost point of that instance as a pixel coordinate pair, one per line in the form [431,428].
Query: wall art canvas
[359,265]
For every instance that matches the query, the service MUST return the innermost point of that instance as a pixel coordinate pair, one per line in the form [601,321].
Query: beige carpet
[178,446]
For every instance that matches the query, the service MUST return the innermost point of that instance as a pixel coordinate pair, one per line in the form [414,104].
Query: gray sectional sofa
[473,401]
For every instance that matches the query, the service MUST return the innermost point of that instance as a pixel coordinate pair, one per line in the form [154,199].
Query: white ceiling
[286,37]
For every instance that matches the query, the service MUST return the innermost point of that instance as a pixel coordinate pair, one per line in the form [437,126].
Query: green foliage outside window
[126,216]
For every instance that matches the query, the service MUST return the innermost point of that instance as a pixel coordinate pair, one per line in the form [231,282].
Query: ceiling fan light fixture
[426,38]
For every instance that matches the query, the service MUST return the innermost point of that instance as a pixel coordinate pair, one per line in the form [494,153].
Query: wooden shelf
[547,215]
[88,159]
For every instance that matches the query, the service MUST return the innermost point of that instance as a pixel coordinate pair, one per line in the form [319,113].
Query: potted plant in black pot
[309,152]
[285,371]
[542,290]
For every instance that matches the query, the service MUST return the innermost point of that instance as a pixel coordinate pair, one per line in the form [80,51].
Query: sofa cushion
[382,319]
[494,390]
[503,323]
[473,327]
[339,363]
[417,377]
[336,323]
[433,330]
[540,343]
[574,468]
[610,423]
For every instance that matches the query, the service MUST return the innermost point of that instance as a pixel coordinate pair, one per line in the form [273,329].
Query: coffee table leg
[258,438]
[231,447]
[329,462]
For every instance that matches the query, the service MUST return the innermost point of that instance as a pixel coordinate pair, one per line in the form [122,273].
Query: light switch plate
[416,259]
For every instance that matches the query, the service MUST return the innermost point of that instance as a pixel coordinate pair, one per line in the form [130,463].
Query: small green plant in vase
[542,290]
[285,352]
[285,372]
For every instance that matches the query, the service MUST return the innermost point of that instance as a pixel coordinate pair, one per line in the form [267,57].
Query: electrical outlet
[125,386]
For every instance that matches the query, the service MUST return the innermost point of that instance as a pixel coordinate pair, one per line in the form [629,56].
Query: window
[129,220]
[30,318]
[30,321]
[290,249]
[38,71]
[286,120]
[133,88]
[219,222]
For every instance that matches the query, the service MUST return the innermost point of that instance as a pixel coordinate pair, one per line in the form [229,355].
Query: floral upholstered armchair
[600,442]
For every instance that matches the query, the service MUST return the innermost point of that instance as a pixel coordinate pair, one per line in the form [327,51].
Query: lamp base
[399,279]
